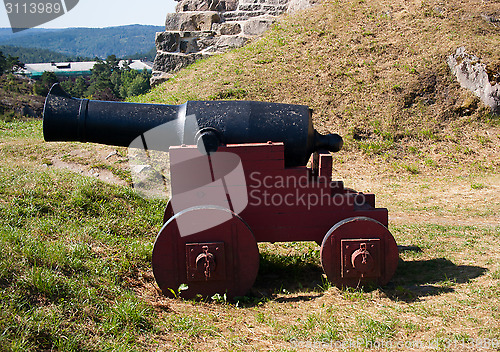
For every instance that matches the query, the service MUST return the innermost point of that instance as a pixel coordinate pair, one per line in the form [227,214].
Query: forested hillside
[121,41]
[34,55]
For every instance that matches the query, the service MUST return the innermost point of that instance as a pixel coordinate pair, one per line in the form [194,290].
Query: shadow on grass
[421,278]
[289,274]
[280,274]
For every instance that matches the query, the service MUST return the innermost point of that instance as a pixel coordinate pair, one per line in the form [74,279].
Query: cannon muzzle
[207,124]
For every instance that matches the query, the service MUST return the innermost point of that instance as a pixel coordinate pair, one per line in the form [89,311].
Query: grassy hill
[76,241]
[375,72]
[86,42]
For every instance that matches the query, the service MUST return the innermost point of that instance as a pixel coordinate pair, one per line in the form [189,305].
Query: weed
[128,315]
[178,292]
[430,162]
[373,330]
[477,186]
[190,325]
[218,298]
[429,135]
[375,147]
[352,294]
[230,94]
[483,140]
[325,284]
[411,168]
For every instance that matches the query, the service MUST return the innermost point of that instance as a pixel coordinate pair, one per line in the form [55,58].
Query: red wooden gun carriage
[238,177]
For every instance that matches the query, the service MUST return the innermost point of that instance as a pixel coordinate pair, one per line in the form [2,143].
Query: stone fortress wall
[200,28]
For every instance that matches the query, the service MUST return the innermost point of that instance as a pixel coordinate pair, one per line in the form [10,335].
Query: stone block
[254,14]
[273,10]
[206,5]
[257,26]
[227,28]
[173,21]
[191,21]
[167,41]
[205,41]
[230,42]
[188,46]
[192,5]
[231,5]
[249,7]
[232,16]
[172,62]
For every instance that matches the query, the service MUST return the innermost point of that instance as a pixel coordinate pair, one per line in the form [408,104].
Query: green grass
[75,253]
[20,128]
[69,249]
[75,273]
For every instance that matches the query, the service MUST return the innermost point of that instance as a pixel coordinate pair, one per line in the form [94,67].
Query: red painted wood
[234,274]
[358,228]
[284,204]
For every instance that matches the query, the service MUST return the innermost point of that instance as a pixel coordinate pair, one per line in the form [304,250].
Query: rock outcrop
[475,76]
[200,28]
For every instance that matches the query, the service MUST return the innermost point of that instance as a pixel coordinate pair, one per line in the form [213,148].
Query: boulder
[473,75]
[297,5]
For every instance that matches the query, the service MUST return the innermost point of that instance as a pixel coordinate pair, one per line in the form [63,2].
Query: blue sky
[106,13]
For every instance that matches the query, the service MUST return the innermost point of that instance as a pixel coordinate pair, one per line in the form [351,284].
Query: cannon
[239,175]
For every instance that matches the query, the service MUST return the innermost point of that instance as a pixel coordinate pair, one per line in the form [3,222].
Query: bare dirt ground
[104,155]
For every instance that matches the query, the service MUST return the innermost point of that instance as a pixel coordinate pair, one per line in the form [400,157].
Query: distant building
[74,69]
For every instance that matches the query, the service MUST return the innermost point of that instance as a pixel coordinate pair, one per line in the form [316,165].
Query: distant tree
[32,55]
[100,79]
[9,64]
[42,86]
[109,81]
[79,88]
[139,85]
[3,63]
[13,63]
[112,62]
[105,94]
[68,87]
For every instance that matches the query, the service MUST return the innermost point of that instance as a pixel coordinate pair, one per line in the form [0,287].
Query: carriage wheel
[359,251]
[210,249]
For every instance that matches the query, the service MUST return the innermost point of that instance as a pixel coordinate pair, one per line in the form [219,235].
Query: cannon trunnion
[238,177]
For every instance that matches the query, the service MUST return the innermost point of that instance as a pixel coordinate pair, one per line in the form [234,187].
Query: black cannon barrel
[211,122]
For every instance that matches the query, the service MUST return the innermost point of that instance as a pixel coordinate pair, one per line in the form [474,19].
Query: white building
[73,69]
